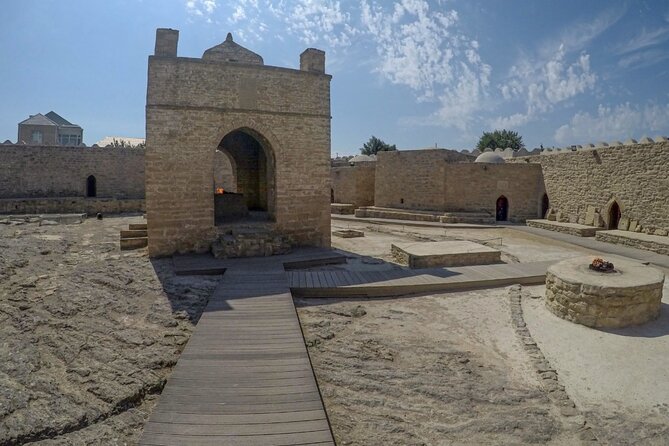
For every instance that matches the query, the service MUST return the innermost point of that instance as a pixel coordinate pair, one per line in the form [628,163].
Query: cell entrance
[91,187]
[545,205]
[502,209]
[614,215]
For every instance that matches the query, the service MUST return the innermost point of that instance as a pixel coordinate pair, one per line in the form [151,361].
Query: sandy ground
[88,334]
[618,377]
[428,370]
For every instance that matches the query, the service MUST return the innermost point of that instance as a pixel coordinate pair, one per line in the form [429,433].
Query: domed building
[490,158]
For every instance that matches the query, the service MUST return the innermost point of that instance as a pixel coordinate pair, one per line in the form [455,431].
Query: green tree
[500,138]
[375,145]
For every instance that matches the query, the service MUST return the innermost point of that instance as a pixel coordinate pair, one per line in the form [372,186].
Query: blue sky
[414,73]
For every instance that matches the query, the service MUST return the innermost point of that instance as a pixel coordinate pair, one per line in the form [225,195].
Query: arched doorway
[91,187]
[502,209]
[251,164]
[614,215]
[545,205]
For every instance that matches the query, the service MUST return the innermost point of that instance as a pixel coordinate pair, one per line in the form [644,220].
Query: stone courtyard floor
[88,335]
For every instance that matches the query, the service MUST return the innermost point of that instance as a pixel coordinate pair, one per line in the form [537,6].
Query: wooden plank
[303,438]
[244,376]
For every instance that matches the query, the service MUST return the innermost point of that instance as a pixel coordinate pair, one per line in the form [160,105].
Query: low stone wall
[604,300]
[654,243]
[62,205]
[567,228]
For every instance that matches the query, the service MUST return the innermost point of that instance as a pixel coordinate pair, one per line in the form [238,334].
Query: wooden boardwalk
[244,377]
[341,283]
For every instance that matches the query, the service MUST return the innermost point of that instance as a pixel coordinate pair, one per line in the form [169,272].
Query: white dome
[489,157]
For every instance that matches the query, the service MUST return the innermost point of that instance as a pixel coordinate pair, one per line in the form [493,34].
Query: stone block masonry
[354,184]
[47,179]
[633,177]
[193,104]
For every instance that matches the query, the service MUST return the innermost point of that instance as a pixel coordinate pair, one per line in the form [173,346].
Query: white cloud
[543,84]
[643,40]
[642,59]
[578,35]
[424,50]
[201,8]
[511,121]
[619,122]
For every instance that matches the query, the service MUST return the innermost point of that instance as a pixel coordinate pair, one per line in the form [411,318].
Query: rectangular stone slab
[449,253]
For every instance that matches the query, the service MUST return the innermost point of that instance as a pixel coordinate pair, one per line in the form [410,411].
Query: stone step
[133,233]
[397,214]
[567,228]
[134,243]
[137,226]
[648,242]
[467,217]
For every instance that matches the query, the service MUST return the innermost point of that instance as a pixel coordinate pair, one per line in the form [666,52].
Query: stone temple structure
[271,124]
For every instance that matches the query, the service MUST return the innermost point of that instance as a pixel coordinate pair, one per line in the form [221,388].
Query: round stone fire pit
[631,294]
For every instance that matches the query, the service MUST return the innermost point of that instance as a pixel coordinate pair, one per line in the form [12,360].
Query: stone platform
[450,253]
[567,228]
[397,214]
[342,208]
[468,217]
[631,295]
[654,243]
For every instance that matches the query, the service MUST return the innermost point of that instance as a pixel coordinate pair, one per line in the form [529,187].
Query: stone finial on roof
[630,142]
[660,138]
[616,143]
[7,142]
[646,140]
[601,144]
[229,51]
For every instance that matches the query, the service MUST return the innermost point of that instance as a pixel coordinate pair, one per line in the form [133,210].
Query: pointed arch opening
[614,215]
[545,205]
[502,209]
[244,160]
[91,187]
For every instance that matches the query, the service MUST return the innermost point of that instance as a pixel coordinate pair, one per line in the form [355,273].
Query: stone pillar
[166,42]
[312,60]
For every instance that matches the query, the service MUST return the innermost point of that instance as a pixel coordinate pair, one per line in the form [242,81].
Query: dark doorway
[614,215]
[252,163]
[502,209]
[91,187]
[332,196]
[545,204]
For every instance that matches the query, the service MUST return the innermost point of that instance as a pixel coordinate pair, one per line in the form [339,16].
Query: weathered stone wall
[475,187]
[354,184]
[192,105]
[56,171]
[634,176]
[413,179]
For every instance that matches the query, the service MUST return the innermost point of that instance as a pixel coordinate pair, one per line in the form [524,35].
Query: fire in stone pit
[219,191]
[602,266]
